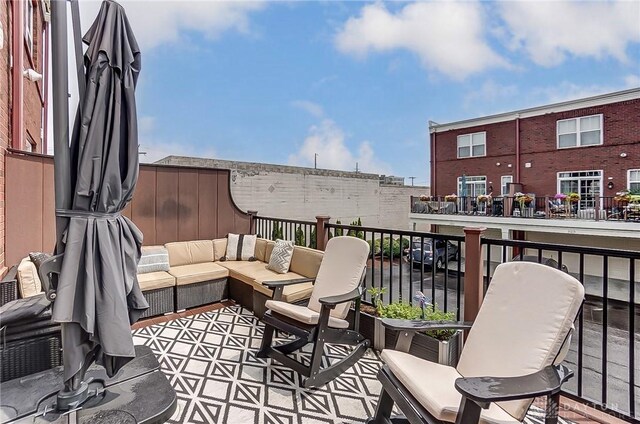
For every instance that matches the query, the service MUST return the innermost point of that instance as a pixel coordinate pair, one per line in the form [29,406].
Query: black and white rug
[210,360]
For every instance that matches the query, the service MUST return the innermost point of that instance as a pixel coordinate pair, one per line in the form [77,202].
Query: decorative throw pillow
[240,247]
[38,257]
[28,280]
[281,256]
[153,259]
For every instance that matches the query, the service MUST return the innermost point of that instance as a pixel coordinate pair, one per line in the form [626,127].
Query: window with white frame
[504,180]
[472,145]
[633,180]
[586,183]
[28,24]
[472,187]
[576,132]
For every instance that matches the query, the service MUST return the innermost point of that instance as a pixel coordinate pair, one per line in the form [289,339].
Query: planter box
[422,346]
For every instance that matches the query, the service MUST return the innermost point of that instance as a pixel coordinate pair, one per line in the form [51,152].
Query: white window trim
[28,24]
[584,170]
[501,183]
[471,155]
[578,138]
[459,182]
[629,171]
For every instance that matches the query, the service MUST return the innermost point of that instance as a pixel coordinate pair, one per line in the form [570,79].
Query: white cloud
[489,93]
[552,30]
[567,90]
[156,147]
[311,108]
[448,37]
[159,22]
[328,141]
[632,80]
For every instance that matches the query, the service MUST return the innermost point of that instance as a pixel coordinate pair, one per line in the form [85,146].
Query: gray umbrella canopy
[98,296]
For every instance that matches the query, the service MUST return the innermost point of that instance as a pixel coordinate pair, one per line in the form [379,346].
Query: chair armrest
[421,325]
[484,390]
[341,298]
[275,284]
[52,265]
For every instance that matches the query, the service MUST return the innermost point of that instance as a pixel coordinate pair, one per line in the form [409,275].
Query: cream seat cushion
[303,314]
[432,385]
[156,280]
[255,273]
[197,273]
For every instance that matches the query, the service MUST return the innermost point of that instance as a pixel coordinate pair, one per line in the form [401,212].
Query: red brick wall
[33,101]
[538,146]
[5,102]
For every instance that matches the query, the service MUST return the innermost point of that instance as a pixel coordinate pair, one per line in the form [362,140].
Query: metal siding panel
[143,205]
[187,204]
[48,208]
[166,206]
[208,211]
[24,206]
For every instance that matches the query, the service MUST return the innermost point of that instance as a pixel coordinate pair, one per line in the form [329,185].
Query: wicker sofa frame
[9,286]
[161,301]
[192,295]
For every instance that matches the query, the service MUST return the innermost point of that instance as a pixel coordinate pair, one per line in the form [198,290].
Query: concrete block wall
[304,193]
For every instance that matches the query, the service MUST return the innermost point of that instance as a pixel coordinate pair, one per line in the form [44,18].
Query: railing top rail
[565,248]
[396,232]
[292,221]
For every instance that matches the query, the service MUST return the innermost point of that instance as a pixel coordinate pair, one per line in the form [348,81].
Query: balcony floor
[208,355]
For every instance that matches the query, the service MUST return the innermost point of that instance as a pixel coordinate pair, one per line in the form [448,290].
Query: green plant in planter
[401,310]
[339,231]
[376,293]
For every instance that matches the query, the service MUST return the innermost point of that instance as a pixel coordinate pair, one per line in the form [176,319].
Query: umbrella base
[139,393]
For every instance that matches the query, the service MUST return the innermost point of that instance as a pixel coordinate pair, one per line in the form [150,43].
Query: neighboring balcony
[598,216]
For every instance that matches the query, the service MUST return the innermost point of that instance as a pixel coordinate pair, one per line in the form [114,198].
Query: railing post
[252,221]
[473,276]
[322,235]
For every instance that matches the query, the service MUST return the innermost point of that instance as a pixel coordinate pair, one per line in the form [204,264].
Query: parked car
[544,261]
[423,254]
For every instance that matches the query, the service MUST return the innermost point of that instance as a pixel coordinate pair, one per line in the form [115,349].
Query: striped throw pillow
[153,259]
[241,247]
[281,255]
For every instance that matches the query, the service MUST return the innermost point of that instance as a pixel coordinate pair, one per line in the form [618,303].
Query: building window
[576,132]
[504,180]
[28,24]
[472,145]
[586,183]
[472,187]
[633,180]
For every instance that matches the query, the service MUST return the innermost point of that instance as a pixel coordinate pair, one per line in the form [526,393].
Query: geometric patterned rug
[210,360]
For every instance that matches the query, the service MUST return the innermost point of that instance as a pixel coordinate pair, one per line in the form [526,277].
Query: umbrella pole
[75,391]
[60,82]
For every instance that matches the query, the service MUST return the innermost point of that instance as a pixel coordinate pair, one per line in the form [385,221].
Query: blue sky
[277,82]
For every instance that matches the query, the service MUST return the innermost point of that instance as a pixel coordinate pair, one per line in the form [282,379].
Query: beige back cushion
[189,252]
[28,280]
[219,248]
[201,251]
[306,261]
[178,253]
[340,272]
[522,324]
[268,250]
[261,250]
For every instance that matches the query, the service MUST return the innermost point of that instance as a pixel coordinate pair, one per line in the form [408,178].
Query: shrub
[276,232]
[388,246]
[339,231]
[299,239]
[312,237]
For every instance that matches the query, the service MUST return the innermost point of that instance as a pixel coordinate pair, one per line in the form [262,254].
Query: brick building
[590,146]
[23,63]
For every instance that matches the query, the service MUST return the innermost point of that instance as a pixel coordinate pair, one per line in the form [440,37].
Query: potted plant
[622,197]
[442,346]
[425,198]
[451,197]
[573,197]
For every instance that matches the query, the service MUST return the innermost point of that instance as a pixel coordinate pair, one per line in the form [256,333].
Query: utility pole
[412,178]
[357,168]
[315,161]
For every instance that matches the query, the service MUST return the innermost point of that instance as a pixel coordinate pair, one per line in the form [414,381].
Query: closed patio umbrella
[98,296]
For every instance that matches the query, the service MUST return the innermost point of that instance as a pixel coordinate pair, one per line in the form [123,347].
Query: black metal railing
[302,233]
[399,262]
[604,349]
[544,207]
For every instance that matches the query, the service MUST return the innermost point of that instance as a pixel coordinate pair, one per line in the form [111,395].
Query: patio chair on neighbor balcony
[511,355]
[323,320]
